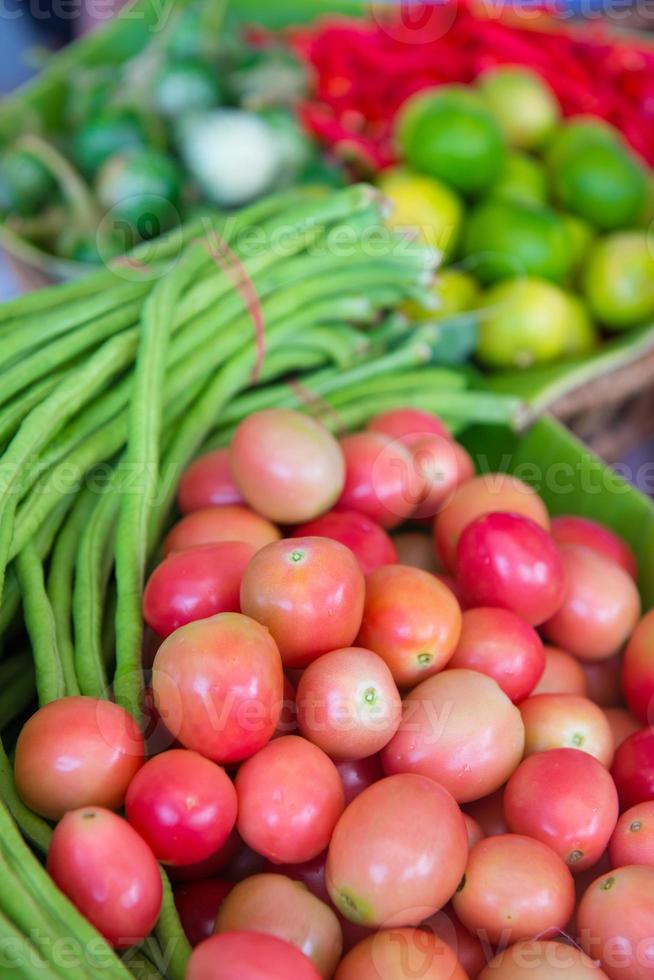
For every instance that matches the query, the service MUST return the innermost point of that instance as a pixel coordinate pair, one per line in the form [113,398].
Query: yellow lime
[583,336]
[448,133]
[524,105]
[456,291]
[618,279]
[523,179]
[424,205]
[503,239]
[524,322]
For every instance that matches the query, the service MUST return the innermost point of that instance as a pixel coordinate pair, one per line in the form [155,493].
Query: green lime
[618,279]
[448,133]
[185,86]
[523,179]
[596,177]
[647,214]
[457,292]
[503,239]
[524,322]
[524,105]
[424,205]
[577,134]
[582,336]
[580,237]
[141,189]
[116,131]
[26,184]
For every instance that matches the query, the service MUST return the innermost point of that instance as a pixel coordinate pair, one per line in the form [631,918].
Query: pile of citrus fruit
[542,222]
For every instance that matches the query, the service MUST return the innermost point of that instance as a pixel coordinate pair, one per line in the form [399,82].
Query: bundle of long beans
[110,386]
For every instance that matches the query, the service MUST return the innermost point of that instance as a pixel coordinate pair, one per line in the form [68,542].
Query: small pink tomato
[408,425]
[638,670]
[444,465]
[535,959]
[195,584]
[622,722]
[633,769]
[208,482]
[309,593]
[632,841]
[370,543]
[597,537]
[398,953]
[249,956]
[381,480]
[563,674]
[498,643]
[615,922]
[230,522]
[566,721]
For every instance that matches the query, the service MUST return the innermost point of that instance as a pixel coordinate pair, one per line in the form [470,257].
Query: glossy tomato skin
[357,774]
[369,542]
[229,522]
[597,537]
[638,670]
[348,704]
[408,425]
[368,881]
[632,841]
[309,593]
[415,548]
[197,905]
[567,800]
[278,906]
[615,922]
[509,561]
[182,805]
[289,799]
[600,608]
[411,620]
[381,479]
[443,465]
[514,888]
[398,953]
[538,960]
[108,872]
[633,769]
[195,584]
[287,465]
[218,686]
[563,674]
[566,721]
[74,752]
[208,482]
[622,723]
[498,643]
[460,729]
[248,956]
[485,494]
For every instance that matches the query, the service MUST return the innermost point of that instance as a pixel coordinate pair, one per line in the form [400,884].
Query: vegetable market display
[273,637]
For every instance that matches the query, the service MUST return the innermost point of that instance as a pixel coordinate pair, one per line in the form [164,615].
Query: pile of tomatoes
[399,725]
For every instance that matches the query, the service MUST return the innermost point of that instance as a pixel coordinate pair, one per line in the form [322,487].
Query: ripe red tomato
[208,482]
[195,584]
[485,494]
[381,480]
[460,729]
[514,888]
[76,752]
[357,774]
[623,724]
[218,686]
[468,949]
[507,560]
[597,537]
[289,799]
[632,841]
[309,593]
[408,425]
[108,871]
[443,465]
[537,960]
[348,704]
[566,721]
[287,465]
[600,609]
[615,921]
[370,543]
[633,769]
[197,906]
[638,670]
[498,643]
[182,805]
[367,879]
[278,906]
[398,953]
[567,800]
[411,620]
[415,548]
[230,522]
[248,956]
[562,675]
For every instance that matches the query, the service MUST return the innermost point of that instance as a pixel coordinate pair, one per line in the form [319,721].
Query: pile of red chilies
[364,70]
